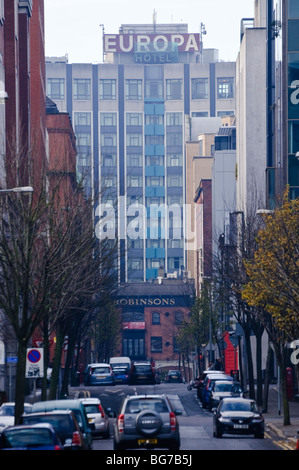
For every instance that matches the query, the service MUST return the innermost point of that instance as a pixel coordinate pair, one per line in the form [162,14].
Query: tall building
[131,116]
[283,83]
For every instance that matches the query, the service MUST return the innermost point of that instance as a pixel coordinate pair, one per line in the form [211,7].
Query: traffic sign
[11,360]
[35,363]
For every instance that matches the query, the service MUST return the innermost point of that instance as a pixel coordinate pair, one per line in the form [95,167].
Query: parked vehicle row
[233,413]
[122,371]
[74,422]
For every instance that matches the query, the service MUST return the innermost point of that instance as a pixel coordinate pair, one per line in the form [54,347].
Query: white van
[120,362]
[121,368]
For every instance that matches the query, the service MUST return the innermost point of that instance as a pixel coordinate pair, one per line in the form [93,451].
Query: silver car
[147,421]
[97,417]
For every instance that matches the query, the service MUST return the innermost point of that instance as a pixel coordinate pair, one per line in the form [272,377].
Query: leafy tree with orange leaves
[274,270]
[273,284]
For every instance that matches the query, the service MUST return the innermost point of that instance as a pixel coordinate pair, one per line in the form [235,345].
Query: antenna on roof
[154,19]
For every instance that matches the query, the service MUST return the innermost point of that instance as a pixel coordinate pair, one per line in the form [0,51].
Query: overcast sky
[73,27]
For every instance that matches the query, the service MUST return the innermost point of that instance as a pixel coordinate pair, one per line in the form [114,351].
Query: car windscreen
[7,410]
[221,387]
[237,405]
[92,409]
[100,370]
[142,368]
[27,437]
[61,424]
[138,405]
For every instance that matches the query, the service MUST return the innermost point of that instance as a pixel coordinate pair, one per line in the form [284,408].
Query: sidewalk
[274,419]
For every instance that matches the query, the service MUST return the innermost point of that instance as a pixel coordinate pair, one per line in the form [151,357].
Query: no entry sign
[35,363]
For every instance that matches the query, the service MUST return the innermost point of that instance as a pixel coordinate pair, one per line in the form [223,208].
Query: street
[196,424]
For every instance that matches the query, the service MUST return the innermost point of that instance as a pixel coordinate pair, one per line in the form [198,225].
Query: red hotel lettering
[125,42]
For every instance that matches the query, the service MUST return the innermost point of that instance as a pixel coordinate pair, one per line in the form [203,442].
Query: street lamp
[21,189]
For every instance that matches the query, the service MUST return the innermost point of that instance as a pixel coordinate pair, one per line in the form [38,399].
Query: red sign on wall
[134,325]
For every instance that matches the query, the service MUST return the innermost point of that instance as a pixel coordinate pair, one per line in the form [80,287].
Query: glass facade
[293,96]
[130,129]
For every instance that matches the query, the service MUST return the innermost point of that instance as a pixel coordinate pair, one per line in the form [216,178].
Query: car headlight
[224,420]
[257,420]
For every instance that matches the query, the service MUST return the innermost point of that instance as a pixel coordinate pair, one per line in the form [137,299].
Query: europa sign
[149,43]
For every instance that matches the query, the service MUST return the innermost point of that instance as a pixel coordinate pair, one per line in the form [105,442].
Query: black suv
[147,421]
[65,425]
[142,372]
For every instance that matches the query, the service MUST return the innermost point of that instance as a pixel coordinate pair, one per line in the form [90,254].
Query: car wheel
[148,423]
[259,435]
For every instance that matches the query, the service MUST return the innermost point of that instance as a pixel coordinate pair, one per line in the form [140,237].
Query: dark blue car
[30,437]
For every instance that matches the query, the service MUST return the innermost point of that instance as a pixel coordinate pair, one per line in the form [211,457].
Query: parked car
[223,389]
[238,416]
[173,376]
[25,437]
[76,406]
[7,414]
[99,374]
[146,421]
[65,425]
[142,373]
[97,418]
[121,374]
[202,379]
[207,386]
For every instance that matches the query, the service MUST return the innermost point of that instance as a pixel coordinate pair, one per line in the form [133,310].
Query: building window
[55,88]
[83,119]
[200,88]
[154,89]
[156,344]
[134,119]
[174,138]
[134,160]
[107,89]
[176,347]
[225,88]
[200,114]
[81,89]
[154,160]
[109,160]
[135,263]
[174,89]
[174,180]
[174,160]
[133,89]
[174,119]
[134,140]
[178,318]
[155,318]
[108,140]
[83,139]
[108,119]
[134,181]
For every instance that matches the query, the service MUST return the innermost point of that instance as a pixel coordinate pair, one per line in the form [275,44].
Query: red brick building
[152,313]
